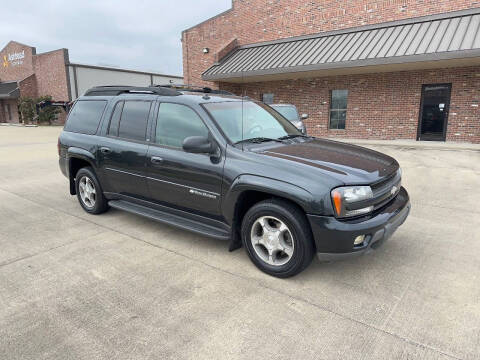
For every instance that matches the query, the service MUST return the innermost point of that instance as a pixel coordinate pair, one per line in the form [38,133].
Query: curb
[18,125]
[410,144]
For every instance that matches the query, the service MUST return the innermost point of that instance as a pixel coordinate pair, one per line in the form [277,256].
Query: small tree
[49,113]
[27,109]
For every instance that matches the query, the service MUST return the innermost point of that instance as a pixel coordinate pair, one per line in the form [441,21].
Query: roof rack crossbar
[194,88]
[110,90]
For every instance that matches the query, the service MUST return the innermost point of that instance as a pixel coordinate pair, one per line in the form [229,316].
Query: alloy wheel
[272,240]
[87,190]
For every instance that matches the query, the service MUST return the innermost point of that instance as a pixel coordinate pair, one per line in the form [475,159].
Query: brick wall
[37,74]
[48,68]
[18,71]
[51,74]
[252,21]
[28,86]
[382,105]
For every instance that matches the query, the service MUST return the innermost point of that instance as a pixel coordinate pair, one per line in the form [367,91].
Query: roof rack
[194,88]
[119,89]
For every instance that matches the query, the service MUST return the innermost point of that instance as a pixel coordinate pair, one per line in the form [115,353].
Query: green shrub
[47,114]
[29,113]
[27,109]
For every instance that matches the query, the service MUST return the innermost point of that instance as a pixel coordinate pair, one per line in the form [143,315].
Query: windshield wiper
[258,140]
[293,136]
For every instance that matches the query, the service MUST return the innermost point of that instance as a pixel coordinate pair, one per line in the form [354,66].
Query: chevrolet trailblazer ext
[233,169]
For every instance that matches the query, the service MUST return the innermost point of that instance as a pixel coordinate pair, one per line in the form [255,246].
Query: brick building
[23,72]
[384,69]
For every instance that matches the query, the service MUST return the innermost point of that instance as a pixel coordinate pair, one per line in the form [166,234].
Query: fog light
[359,240]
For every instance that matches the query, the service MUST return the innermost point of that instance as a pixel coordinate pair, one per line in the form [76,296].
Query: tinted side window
[133,123]
[175,123]
[85,116]
[115,120]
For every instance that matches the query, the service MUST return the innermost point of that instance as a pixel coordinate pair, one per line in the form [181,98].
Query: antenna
[244,93]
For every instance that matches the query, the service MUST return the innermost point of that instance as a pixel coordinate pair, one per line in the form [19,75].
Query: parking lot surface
[118,286]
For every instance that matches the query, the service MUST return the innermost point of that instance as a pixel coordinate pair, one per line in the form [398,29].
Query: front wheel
[277,238]
[89,192]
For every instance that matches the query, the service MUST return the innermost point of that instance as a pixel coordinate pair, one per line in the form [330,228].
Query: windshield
[259,120]
[290,112]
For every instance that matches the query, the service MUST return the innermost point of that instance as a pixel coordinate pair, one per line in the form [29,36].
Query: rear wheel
[277,238]
[89,192]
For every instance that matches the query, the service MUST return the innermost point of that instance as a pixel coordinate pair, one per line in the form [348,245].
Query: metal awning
[451,39]
[9,90]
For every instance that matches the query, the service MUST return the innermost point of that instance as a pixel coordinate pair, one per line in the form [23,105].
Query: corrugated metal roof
[444,36]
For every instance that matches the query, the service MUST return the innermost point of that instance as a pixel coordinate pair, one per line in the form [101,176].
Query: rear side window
[133,120]
[85,116]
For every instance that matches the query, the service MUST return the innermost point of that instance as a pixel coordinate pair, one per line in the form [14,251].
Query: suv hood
[347,163]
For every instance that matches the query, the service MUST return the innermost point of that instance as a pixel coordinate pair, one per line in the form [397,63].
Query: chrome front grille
[386,190]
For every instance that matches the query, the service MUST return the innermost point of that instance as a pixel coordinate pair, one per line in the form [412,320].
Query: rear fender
[77,153]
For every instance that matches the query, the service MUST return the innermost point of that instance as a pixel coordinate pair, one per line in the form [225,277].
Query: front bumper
[334,238]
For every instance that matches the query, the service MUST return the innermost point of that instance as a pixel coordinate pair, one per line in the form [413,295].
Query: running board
[171,219]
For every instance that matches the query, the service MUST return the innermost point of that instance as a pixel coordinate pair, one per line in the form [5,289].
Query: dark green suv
[230,168]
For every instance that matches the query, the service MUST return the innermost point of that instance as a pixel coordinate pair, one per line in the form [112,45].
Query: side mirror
[304,116]
[198,145]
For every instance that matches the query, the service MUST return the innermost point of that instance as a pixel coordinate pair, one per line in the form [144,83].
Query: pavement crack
[243,277]
[15,260]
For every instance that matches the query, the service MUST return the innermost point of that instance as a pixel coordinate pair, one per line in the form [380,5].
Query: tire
[93,202]
[276,224]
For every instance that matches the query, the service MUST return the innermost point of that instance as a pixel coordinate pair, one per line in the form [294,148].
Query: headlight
[350,200]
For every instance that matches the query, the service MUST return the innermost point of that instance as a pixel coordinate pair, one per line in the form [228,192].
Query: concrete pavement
[118,286]
[412,144]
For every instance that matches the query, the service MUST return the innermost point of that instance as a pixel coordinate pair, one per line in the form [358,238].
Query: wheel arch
[78,158]
[247,190]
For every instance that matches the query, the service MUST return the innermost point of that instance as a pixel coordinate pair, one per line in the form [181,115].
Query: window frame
[147,129]
[153,129]
[114,107]
[330,110]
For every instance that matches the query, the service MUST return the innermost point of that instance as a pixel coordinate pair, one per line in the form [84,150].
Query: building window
[267,98]
[338,109]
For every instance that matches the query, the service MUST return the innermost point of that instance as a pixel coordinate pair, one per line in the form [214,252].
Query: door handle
[156,160]
[105,150]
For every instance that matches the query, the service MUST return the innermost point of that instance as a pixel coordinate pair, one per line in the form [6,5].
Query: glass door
[434,112]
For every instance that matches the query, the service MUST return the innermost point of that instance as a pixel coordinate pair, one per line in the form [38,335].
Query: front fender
[275,187]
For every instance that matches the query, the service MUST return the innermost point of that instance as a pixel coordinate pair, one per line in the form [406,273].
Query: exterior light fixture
[206,50]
